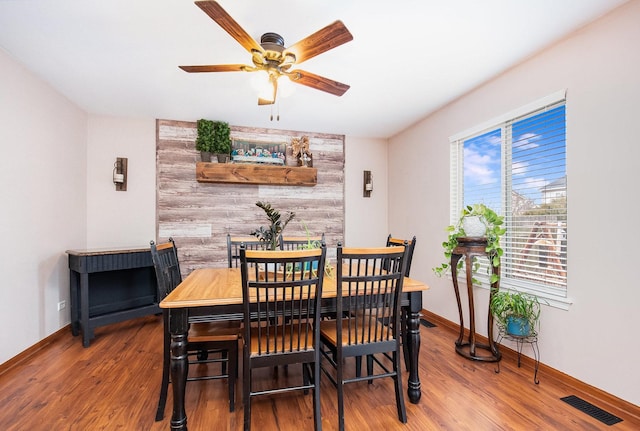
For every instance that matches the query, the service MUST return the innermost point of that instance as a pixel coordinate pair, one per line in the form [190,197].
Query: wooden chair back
[297,242]
[281,293]
[370,282]
[233,247]
[409,243]
[167,266]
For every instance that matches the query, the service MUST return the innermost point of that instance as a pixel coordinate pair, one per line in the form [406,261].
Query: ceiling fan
[271,56]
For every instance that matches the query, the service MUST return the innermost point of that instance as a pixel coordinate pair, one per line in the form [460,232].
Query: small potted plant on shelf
[490,228]
[516,313]
[221,141]
[271,233]
[205,139]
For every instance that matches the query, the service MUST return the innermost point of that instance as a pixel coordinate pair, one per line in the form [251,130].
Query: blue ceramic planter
[518,326]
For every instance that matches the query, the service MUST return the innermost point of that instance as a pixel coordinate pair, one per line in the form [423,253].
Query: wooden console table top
[105,251]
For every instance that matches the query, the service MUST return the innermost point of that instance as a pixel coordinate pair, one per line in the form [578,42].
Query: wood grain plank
[230,208]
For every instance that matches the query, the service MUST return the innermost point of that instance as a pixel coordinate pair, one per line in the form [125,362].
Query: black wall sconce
[120,174]
[367,187]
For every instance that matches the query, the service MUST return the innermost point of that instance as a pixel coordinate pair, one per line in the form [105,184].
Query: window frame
[553,296]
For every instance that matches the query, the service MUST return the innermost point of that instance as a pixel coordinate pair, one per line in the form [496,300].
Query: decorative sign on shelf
[301,151]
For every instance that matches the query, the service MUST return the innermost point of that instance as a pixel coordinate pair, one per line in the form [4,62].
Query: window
[517,166]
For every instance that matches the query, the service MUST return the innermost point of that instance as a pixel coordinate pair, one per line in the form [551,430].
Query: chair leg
[164,386]
[246,393]
[370,367]
[225,356]
[232,356]
[317,416]
[340,387]
[305,377]
[358,360]
[402,411]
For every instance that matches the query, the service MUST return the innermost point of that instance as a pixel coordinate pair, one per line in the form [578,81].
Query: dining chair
[297,242]
[204,338]
[281,296]
[410,244]
[369,283]
[233,247]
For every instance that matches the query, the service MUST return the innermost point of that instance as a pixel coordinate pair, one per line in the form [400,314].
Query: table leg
[413,331]
[179,365]
[87,332]
[74,282]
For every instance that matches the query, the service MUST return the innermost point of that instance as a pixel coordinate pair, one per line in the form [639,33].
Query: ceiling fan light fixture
[261,84]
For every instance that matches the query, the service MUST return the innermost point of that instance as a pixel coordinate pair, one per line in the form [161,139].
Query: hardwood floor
[113,385]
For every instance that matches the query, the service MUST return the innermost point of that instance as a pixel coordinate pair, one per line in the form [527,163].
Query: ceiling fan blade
[318,82]
[214,68]
[224,20]
[323,40]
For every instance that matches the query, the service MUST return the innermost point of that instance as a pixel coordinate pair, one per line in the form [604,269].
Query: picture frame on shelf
[259,152]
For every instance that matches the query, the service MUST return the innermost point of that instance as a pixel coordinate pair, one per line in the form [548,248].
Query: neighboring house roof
[559,184]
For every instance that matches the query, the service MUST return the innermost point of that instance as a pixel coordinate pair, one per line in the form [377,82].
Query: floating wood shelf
[238,173]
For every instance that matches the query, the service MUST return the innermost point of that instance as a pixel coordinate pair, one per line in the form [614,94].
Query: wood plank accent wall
[199,215]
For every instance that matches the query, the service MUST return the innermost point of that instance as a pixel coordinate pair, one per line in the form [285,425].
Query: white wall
[365,218]
[43,177]
[121,218]
[599,66]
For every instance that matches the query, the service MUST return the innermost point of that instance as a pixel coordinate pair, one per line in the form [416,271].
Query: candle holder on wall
[120,174]
[367,187]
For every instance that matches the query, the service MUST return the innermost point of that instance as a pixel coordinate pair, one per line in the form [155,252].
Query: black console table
[471,248]
[109,286]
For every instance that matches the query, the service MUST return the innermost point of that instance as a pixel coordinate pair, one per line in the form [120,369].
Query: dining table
[209,294]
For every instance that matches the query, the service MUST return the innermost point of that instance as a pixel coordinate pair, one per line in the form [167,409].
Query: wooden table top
[104,251]
[223,286]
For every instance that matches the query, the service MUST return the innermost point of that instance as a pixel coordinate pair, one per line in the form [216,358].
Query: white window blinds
[517,166]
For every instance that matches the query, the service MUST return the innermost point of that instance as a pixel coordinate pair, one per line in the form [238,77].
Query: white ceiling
[407,59]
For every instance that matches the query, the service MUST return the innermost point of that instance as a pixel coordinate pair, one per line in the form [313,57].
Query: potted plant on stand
[516,313]
[205,139]
[476,220]
[222,141]
[463,248]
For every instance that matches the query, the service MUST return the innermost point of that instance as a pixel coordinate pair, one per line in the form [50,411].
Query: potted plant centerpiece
[221,141]
[516,313]
[271,233]
[490,228]
[314,243]
[205,139]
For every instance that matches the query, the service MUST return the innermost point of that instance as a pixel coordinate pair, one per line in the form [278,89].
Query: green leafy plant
[205,138]
[314,243]
[221,138]
[493,233]
[513,304]
[271,234]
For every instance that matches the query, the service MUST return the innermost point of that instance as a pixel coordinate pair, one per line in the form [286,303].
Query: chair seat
[375,333]
[214,331]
